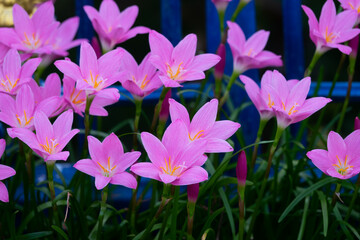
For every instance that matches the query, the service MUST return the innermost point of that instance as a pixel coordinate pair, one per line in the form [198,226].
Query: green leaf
[35,235]
[303,220]
[228,210]
[304,194]
[342,223]
[60,231]
[206,233]
[352,229]
[211,219]
[324,211]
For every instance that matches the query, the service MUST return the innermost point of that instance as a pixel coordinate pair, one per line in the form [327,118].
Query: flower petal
[193,175]
[204,118]
[336,147]
[127,159]
[146,169]
[176,137]
[154,149]
[101,181]
[178,111]
[320,159]
[125,179]
[4,195]
[87,166]
[6,172]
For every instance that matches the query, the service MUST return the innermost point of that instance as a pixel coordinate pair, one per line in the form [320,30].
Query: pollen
[94,81]
[8,85]
[74,100]
[172,170]
[23,121]
[107,171]
[50,147]
[329,37]
[342,167]
[177,74]
[197,135]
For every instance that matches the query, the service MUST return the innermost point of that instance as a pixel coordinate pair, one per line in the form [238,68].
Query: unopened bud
[241,169]
[356,124]
[220,67]
[193,192]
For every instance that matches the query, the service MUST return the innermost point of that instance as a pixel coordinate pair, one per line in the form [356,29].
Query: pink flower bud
[96,46]
[164,113]
[354,44]
[221,5]
[219,68]
[193,192]
[356,123]
[241,168]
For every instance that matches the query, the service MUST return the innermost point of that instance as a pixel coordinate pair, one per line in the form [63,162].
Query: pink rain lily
[76,99]
[51,88]
[179,64]
[140,80]
[353,5]
[173,160]
[261,97]
[342,159]
[249,54]
[13,75]
[49,140]
[19,112]
[31,34]
[94,74]
[204,126]
[221,5]
[108,163]
[113,26]
[290,104]
[5,172]
[332,29]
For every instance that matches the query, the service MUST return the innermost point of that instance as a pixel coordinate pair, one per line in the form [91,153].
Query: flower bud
[96,46]
[241,169]
[220,67]
[193,192]
[164,113]
[354,44]
[356,123]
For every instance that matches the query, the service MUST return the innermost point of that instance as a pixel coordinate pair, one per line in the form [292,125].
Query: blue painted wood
[171,20]
[293,39]
[85,28]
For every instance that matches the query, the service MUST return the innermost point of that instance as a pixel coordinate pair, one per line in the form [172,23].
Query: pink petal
[253,91]
[52,86]
[345,21]
[342,48]
[4,195]
[132,33]
[25,101]
[160,46]
[327,16]
[22,22]
[201,160]
[87,166]
[101,181]
[128,63]
[154,149]
[215,145]
[64,140]
[257,42]
[191,153]
[320,159]
[184,52]
[299,92]
[128,16]
[26,136]
[43,127]
[109,11]
[313,23]
[9,36]
[133,88]
[332,172]
[12,65]
[193,175]
[336,147]
[109,62]
[95,149]
[49,105]
[88,60]
[236,38]
[168,82]
[124,179]
[204,62]
[223,129]
[2,146]
[352,142]
[126,160]
[204,118]
[44,15]
[267,58]
[67,30]
[309,107]
[6,172]
[69,69]
[58,156]
[112,147]
[176,137]
[166,178]
[178,111]
[146,169]
[63,124]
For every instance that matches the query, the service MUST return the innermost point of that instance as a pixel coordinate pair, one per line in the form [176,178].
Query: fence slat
[171,20]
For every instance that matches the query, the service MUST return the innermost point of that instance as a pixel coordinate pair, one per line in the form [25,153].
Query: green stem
[241,192]
[258,138]
[89,100]
[312,64]
[138,103]
[50,169]
[104,196]
[164,201]
[279,132]
[158,108]
[336,194]
[218,88]
[351,72]
[221,20]
[133,205]
[238,9]
[233,78]
[353,199]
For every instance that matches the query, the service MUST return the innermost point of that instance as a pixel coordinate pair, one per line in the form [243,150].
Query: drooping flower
[113,26]
[353,5]
[19,112]
[249,54]
[332,29]
[342,158]
[50,139]
[261,97]
[140,80]
[13,75]
[290,104]
[179,64]
[76,99]
[31,34]
[108,163]
[93,75]
[204,126]
[173,160]
[5,172]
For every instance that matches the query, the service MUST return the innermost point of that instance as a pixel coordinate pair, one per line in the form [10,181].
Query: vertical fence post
[171,17]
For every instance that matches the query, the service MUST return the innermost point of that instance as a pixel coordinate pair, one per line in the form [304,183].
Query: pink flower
[31,34]
[173,160]
[249,54]
[113,26]
[290,104]
[76,99]
[108,163]
[261,97]
[221,4]
[205,126]
[13,75]
[140,80]
[94,74]
[19,112]
[49,140]
[342,159]
[241,169]
[5,172]
[51,88]
[332,29]
[353,5]
[179,64]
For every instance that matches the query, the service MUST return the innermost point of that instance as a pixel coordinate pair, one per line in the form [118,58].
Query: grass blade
[324,211]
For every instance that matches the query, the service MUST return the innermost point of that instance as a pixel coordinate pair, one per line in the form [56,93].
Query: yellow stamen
[342,168]
[249,52]
[171,73]
[75,100]
[329,37]
[270,103]
[169,169]
[144,82]
[49,148]
[107,171]
[197,135]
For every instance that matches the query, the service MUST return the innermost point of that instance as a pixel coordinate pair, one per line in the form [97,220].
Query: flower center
[7,85]
[291,110]
[74,100]
[197,135]
[329,37]
[250,52]
[353,8]
[270,103]
[23,121]
[32,42]
[144,82]
[106,172]
[50,147]
[171,73]
[173,170]
[342,167]
[94,82]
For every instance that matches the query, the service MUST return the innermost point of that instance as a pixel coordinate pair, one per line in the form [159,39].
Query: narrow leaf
[324,211]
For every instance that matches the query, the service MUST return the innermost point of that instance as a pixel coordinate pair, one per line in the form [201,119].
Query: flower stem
[312,64]
[353,199]
[241,192]
[258,138]
[238,9]
[233,78]
[336,195]
[89,100]
[165,199]
[158,108]
[104,195]
[279,132]
[138,103]
[50,169]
